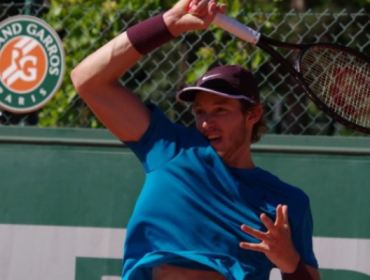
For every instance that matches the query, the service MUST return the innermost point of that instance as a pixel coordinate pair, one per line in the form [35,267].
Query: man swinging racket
[205,211]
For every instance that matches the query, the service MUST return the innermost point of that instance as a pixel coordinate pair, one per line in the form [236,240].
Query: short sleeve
[158,145]
[302,238]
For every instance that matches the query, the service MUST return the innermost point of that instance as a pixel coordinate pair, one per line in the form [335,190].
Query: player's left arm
[277,245]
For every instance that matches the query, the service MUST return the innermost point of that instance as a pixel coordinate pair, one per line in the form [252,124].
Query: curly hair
[259,127]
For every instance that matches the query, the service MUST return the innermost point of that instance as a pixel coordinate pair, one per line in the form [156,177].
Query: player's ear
[254,114]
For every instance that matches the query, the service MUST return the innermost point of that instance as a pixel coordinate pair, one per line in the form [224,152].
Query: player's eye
[221,110]
[198,112]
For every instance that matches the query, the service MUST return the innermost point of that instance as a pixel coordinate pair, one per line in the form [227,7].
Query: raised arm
[96,78]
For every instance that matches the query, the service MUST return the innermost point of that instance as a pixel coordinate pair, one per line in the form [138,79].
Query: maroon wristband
[149,34]
[300,273]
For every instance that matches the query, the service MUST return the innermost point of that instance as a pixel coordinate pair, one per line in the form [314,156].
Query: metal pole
[27,7]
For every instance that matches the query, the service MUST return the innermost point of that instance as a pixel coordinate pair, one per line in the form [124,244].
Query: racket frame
[264,43]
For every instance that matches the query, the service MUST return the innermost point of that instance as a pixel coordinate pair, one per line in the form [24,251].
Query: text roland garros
[32,64]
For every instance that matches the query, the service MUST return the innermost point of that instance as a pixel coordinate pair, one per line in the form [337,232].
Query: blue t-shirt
[192,205]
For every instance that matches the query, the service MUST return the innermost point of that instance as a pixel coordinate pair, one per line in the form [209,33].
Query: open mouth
[214,139]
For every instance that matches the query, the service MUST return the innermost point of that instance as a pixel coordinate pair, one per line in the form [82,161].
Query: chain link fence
[158,76]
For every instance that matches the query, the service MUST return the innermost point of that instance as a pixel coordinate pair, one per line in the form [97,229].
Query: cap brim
[188,94]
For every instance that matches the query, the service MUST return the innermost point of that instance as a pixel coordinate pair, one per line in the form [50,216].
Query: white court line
[49,252]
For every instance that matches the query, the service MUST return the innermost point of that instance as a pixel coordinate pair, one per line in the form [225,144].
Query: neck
[246,164]
[242,160]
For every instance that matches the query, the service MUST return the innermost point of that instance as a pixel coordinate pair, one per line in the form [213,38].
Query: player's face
[223,124]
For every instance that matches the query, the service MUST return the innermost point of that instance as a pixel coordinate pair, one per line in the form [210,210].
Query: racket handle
[236,28]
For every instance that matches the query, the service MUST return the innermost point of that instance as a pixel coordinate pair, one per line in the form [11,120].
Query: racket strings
[340,80]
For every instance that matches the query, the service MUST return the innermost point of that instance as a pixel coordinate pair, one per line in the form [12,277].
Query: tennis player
[206,210]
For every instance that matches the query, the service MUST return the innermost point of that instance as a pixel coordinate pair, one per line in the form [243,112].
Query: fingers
[190,15]
[253,232]
[269,224]
[282,219]
[254,247]
[214,8]
[260,247]
[276,242]
[200,7]
[203,8]
[273,229]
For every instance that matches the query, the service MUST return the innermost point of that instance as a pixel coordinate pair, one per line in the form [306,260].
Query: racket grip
[236,28]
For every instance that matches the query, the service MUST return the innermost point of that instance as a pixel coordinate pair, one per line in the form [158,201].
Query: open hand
[276,243]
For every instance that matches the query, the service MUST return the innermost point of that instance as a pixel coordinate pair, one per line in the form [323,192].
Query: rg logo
[23,64]
[32,64]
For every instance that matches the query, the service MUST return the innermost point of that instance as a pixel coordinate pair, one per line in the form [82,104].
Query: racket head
[337,80]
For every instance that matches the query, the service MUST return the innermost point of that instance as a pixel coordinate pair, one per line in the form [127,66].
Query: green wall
[86,178]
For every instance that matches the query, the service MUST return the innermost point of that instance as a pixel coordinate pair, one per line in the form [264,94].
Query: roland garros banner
[31,64]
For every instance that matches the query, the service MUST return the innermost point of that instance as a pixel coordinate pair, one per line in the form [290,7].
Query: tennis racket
[336,78]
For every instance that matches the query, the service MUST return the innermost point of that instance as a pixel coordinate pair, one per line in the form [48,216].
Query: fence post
[28,7]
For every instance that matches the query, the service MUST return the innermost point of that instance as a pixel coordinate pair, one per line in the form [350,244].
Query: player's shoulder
[160,120]
[163,125]
[282,186]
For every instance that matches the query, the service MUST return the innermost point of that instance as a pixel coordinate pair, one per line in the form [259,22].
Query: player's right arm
[96,78]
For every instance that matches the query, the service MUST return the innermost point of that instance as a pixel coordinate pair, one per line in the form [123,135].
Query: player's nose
[207,121]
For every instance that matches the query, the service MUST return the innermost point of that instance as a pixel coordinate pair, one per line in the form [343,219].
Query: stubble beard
[236,144]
